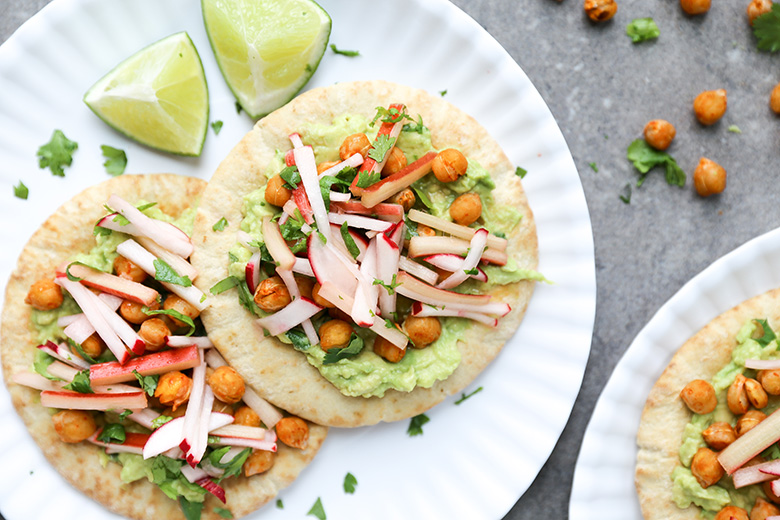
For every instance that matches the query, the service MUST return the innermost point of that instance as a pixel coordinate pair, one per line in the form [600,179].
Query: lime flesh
[158,97]
[267,49]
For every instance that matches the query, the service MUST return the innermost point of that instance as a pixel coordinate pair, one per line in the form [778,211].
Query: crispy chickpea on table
[694,7]
[709,178]
[600,10]
[774,99]
[699,396]
[710,105]
[44,295]
[73,425]
[756,8]
[659,134]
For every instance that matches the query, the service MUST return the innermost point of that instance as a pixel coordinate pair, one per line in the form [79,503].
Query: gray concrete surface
[602,90]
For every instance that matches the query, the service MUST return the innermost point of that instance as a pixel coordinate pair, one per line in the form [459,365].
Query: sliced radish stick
[370,165]
[188,341]
[276,245]
[290,316]
[328,267]
[762,364]
[337,196]
[304,159]
[370,271]
[424,310]
[38,382]
[147,365]
[751,443]
[194,408]
[388,257]
[344,302]
[77,401]
[452,263]
[64,321]
[311,333]
[193,474]
[424,246]
[295,139]
[80,329]
[240,430]
[144,417]
[248,443]
[169,435]
[476,248]
[397,234]
[179,264]
[62,371]
[456,230]
[755,474]
[303,266]
[164,235]
[134,252]
[398,181]
[359,221]
[429,276]
[353,161]
[252,272]
[64,354]
[246,240]
[292,287]
[198,439]
[213,488]
[419,291]
[382,211]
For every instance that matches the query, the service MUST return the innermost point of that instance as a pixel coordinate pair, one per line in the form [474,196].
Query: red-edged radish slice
[195,407]
[241,431]
[476,248]
[80,328]
[64,354]
[370,165]
[295,139]
[248,443]
[179,264]
[194,474]
[359,221]
[303,204]
[134,252]
[147,365]
[276,245]
[134,443]
[170,434]
[290,316]
[420,291]
[307,167]
[303,266]
[387,258]
[750,444]
[292,287]
[424,246]
[38,382]
[62,371]
[77,401]
[175,242]
[397,233]
[143,417]
[109,222]
[252,272]
[337,196]
[382,211]
[64,321]
[424,310]
[327,267]
[762,364]
[344,302]
[338,240]
[112,284]
[451,263]
[353,161]
[398,181]
[188,341]
[755,474]
[429,276]
[246,240]
[456,230]
[213,488]
[198,438]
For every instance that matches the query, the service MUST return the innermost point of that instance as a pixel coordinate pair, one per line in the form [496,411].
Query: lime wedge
[158,97]
[267,49]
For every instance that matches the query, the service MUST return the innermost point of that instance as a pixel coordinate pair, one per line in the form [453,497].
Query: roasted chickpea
[93,346]
[600,10]
[124,268]
[387,350]
[466,209]
[756,8]
[73,425]
[694,7]
[719,435]
[732,512]
[322,302]
[774,99]
[709,106]
[222,407]
[227,385]
[335,334]
[422,331]
[659,134]
[405,198]
[44,295]
[756,393]
[449,164]
[182,306]
[134,311]
[276,193]
[736,397]
[767,488]
[709,178]
[706,468]
[259,461]
[293,431]
[154,331]
[338,314]
[762,509]
[355,143]
[173,389]
[325,166]
[699,396]
[247,417]
[305,285]
[770,381]
[425,231]
[749,421]
[272,295]
[396,161]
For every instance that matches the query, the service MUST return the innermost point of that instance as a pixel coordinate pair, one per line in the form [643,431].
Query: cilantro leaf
[464,396]
[626,195]
[279,503]
[41,364]
[291,177]
[642,29]
[246,298]
[734,129]
[112,433]
[474,271]
[349,483]
[593,167]
[224,284]
[21,191]
[443,93]
[299,339]
[86,357]
[116,160]
[148,383]
[220,224]
[231,467]
[366,179]
[416,126]
[767,29]
[390,115]
[645,158]
[191,510]
[173,314]
[349,241]
[382,145]
[238,107]
[390,288]
[165,273]
[317,510]
[521,172]
[422,197]
[416,424]
[57,153]
[80,383]
[336,50]
[326,184]
[351,350]
[160,420]
[223,512]
[767,336]
[216,126]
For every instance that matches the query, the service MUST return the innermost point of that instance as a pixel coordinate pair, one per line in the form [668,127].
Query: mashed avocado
[368,374]
[686,490]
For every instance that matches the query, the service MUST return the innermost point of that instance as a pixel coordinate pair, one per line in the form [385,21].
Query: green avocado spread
[367,374]
[685,489]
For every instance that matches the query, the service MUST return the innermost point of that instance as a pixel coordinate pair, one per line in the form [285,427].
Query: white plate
[603,486]
[474,460]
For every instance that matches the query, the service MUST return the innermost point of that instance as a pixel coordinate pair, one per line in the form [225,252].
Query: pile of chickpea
[745,399]
[174,387]
[272,294]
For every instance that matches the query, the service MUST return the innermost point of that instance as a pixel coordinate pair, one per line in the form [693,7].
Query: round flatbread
[665,415]
[283,375]
[69,231]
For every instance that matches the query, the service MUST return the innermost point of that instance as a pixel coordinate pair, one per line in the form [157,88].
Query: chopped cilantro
[390,288]
[767,336]
[216,126]
[191,510]
[124,414]
[767,29]
[148,383]
[380,148]
[246,298]
[645,158]
[279,503]
[299,339]
[57,153]
[352,349]
[464,396]
[291,177]
[223,512]
[390,115]
[175,315]
[112,433]
[416,424]
[336,50]
[116,160]
[473,271]
[642,29]
[417,126]
[734,129]
[625,196]
[220,224]
[349,483]
[443,93]
[21,191]
[165,273]
[160,420]
[423,197]
[366,179]
[224,284]
[593,167]
[349,241]
[317,510]
[80,383]
[238,107]
[326,184]
[231,467]
[520,172]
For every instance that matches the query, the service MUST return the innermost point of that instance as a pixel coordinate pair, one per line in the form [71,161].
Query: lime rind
[157,97]
[267,50]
